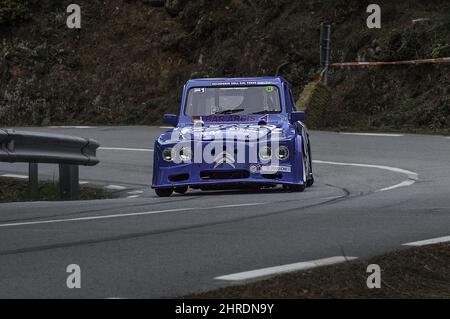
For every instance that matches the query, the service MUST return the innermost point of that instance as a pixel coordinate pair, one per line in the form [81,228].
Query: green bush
[12,11]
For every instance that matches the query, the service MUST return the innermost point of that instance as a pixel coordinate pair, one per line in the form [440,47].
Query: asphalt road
[372,194]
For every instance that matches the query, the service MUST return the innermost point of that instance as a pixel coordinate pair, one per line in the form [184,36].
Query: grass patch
[14,190]
[411,273]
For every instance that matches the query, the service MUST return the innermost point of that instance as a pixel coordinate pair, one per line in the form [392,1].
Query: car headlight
[265,153]
[186,154]
[283,153]
[167,154]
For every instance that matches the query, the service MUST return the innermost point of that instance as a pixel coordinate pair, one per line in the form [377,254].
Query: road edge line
[283,269]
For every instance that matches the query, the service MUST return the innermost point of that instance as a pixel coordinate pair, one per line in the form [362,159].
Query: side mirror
[297,116]
[170,119]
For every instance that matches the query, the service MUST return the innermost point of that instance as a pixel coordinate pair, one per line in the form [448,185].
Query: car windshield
[233,100]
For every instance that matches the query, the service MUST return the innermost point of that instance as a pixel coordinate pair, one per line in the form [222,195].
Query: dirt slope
[127,63]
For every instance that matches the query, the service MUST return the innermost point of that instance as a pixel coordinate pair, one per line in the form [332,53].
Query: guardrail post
[74,182]
[33,181]
[68,182]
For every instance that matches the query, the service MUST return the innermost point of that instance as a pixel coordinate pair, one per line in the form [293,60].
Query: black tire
[297,188]
[181,190]
[164,192]
[310,182]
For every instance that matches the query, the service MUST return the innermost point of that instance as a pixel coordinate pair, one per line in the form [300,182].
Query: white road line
[429,241]
[406,183]
[133,196]
[265,272]
[83,182]
[374,134]
[166,127]
[52,221]
[115,187]
[125,149]
[135,192]
[412,176]
[15,176]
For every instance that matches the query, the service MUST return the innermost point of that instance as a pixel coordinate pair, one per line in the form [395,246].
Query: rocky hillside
[127,63]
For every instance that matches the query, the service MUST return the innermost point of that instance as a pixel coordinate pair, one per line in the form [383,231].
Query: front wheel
[181,190]
[163,192]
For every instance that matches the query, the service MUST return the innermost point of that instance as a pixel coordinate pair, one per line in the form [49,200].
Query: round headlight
[265,153]
[186,154]
[167,154]
[283,153]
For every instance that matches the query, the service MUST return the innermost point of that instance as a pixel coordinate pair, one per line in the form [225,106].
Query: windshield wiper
[230,111]
[266,112]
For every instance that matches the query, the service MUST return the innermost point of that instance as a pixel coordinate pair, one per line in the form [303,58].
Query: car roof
[237,81]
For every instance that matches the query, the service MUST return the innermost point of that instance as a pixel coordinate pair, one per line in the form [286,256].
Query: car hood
[240,132]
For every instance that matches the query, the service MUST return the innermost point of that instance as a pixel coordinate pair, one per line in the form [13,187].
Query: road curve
[373,194]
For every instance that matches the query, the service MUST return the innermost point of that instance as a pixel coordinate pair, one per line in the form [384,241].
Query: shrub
[13,11]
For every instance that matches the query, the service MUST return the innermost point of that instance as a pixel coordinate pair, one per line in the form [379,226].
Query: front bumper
[194,177]
[202,175]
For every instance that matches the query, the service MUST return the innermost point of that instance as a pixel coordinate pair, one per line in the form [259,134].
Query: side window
[289,99]
[291,96]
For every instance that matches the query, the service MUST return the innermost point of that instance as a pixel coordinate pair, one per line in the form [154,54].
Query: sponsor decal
[200,90]
[237,83]
[226,118]
[269,169]
[270,89]
[275,169]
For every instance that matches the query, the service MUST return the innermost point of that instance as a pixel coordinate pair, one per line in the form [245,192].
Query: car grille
[229,174]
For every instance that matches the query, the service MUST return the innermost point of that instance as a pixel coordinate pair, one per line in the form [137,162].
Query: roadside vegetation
[412,273]
[15,190]
[15,11]
[129,60]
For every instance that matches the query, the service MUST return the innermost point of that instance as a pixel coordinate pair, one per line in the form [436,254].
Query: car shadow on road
[233,192]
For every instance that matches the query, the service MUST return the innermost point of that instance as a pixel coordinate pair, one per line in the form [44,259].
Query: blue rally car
[234,133]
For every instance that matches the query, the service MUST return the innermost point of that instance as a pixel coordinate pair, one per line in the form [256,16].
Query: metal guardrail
[35,147]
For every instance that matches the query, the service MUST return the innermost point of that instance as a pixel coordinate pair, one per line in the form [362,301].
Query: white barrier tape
[411,62]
